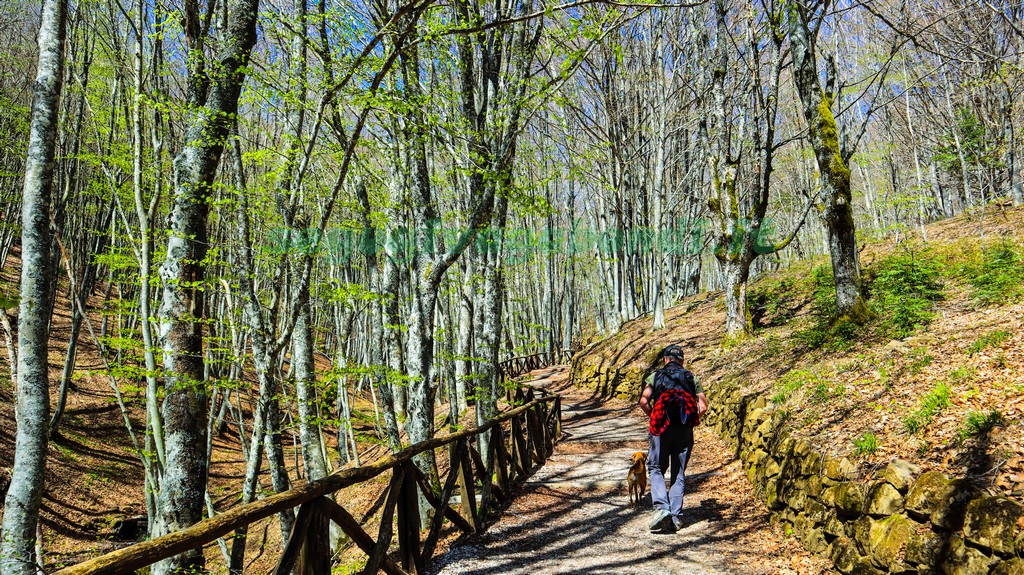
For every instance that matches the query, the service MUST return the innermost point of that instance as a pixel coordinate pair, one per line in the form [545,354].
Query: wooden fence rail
[518,439]
[516,366]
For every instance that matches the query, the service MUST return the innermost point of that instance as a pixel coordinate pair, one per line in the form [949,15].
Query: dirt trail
[572,515]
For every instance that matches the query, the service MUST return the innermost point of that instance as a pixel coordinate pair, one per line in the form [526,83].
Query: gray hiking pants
[669,451]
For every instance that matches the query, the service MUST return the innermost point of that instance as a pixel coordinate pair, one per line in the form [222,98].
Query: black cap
[673,351]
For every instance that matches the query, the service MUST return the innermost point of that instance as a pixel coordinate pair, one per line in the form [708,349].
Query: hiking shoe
[659,520]
[677,523]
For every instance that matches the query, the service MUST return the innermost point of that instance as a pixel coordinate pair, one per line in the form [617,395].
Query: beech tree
[24,496]
[212,101]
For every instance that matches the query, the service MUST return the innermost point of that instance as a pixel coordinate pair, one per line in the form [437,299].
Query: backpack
[675,399]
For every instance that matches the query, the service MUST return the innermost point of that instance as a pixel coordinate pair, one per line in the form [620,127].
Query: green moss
[828,133]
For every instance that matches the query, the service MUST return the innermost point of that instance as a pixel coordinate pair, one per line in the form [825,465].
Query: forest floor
[572,515]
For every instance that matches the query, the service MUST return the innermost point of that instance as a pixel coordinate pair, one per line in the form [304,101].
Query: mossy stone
[1013,566]
[839,469]
[833,526]
[759,402]
[965,560]
[802,448]
[815,486]
[815,511]
[844,554]
[930,493]
[813,540]
[883,499]
[923,547]
[758,457]
[863,566]
[888,538]
[860,530]
[771,495]
[992,523]
[846,497]
[796,497]
[951,516]
[811,464]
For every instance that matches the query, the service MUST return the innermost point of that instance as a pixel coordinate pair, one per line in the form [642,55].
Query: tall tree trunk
[21,505]
[464,343]
[181,498]
[834,175]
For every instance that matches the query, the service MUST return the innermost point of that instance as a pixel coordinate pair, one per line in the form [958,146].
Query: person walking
[675,401]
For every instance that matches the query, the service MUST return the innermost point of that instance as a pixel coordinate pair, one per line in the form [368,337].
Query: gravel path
[572,515]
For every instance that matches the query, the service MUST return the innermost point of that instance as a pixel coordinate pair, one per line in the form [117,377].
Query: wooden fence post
[467,491]
[409,522]
[315,556]
[500,460]
[386,530]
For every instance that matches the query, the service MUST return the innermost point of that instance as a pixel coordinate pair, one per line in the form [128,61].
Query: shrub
[906,285]
[999,278]
[866,444]
[978,424]
[826,330]
[988,340]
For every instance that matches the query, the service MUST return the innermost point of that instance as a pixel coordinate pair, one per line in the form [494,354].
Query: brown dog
[637,478]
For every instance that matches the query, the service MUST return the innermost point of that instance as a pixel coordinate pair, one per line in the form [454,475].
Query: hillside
[93,491]
[934,379]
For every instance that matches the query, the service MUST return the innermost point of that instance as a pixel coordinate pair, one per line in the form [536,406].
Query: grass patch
[866,444]
[822,392]
[990,339]
[931,405]
[978,424]
[919,359]
[790,383]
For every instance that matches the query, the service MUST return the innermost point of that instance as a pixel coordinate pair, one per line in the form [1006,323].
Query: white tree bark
[18,532]
[21,505]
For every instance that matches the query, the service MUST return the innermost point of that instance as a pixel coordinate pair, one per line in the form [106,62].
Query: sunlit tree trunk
[24,496]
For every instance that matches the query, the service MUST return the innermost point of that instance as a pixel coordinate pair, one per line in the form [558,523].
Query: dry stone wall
[903,520]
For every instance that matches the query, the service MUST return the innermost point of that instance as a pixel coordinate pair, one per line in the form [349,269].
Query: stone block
[860,531]
[883,499]
[863,566]
[965,560]
[888,539]
[900,474]
[811,464]
[923,547]
[844,554]
[839,469]
[929,493]
[815,486]
[846,497]
[815,511]
[993,523]
[1013,566]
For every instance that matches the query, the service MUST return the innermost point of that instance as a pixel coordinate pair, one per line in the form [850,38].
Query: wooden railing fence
[519,439]
[516,366]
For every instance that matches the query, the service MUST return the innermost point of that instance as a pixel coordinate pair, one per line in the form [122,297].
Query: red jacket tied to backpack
[675,399]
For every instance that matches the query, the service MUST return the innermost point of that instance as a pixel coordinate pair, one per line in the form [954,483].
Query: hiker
[675,402]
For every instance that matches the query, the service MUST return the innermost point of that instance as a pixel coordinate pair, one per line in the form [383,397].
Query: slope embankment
[893,447]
